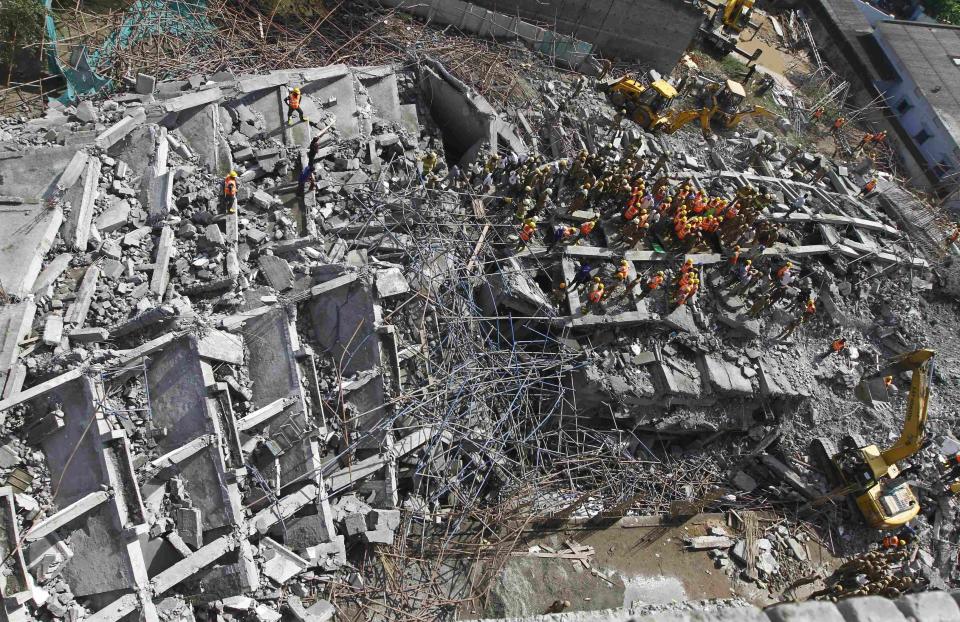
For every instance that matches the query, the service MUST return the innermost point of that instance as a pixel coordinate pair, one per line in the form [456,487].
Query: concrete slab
[273,368]
[178,380]
[32,173]
[26,236]
[335,92]
[201,129]
[722,376]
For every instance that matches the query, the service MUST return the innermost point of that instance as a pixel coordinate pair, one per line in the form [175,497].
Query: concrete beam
[77,312]
[262,415]
[161,274]
[116,132]
[78,225]
[346,476]
[68,514]
[193,100]
[72,173]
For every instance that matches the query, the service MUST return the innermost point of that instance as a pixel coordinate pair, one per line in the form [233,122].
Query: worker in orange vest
[595,297]
[880,137]
[587,227]
[230,185]
[866,140]
[838,124]
[622,271]
[293,105]
[838,345]
[526,233]
[818,114]
[868,188]
[734,258]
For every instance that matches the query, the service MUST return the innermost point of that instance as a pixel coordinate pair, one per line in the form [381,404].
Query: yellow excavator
[722,30]
[869,474]
[648,106]
[723,105]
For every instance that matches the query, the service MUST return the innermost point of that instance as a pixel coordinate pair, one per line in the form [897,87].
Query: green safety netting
[143,19]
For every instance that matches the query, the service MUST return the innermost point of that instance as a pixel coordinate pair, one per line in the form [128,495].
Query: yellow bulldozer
[721,104]
[867,473]
[648,106]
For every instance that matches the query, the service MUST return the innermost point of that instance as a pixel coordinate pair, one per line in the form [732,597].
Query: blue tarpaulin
[143,19]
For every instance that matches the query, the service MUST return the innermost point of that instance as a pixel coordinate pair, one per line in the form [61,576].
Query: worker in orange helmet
[868,187]
[231,183]
[293,105]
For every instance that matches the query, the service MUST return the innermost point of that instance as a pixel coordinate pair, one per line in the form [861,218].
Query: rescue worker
[559,294]
[293,105]
[809,310]
[231,184]
[838,124]
[306,176]
[582,277]
[868,188]
[818,114]
[837,346]
[595,297]
[623,270]
[653,283]
[526,234]
[587,228]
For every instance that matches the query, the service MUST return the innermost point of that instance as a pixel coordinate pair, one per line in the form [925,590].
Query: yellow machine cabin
[868,473]
[648,106]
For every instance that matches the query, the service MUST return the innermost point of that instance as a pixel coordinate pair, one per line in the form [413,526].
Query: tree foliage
[21,24]
[945,10]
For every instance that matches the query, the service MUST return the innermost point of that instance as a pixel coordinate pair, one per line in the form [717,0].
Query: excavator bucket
[870,390]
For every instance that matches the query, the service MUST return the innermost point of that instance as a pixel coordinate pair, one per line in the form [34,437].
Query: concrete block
[380,536]
[53,330]
[192,100]
[280,563]
[328,555]
[321,611]
[276,271]
[354,524]
[869,609]
[114,217]
[190,527]
[809,611]
[221,346]
[89,335]
[262,199]
[145,84]
[391,282]
[383,519]
[929,607]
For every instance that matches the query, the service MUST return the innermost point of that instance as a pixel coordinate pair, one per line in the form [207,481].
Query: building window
[922,137]
[904,106]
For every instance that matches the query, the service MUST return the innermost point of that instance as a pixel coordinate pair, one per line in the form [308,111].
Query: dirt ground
[645,565]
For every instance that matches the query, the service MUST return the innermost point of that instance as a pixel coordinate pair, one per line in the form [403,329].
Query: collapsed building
[351,391]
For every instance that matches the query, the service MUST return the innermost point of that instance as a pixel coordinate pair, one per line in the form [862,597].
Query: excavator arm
[756,111]
[912,435]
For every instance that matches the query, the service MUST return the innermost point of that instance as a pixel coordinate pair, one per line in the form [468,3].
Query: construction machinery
[723,28]
[648,106]
[868,474]
[721,103]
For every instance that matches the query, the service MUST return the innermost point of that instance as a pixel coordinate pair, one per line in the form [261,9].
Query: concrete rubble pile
[220,409]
